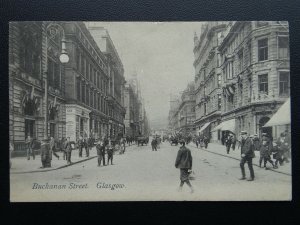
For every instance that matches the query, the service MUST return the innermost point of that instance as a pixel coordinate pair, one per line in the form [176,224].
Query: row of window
[90,97]
[89,71]
[263,83]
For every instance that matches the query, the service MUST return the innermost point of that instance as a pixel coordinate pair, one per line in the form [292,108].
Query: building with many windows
[87,84]
[116,82]
[208,90]
[255,75]
[28,54]
[182,112]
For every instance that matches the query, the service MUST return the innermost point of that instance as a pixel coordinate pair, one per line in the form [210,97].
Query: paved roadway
[141,174]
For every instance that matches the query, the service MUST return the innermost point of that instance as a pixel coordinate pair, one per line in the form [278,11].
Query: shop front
[77,122]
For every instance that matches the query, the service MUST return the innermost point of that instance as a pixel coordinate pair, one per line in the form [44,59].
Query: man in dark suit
[247,154]
[184,162]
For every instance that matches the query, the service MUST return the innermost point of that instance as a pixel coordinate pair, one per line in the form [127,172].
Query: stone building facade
[27,73]
[87,82]
[182,112]
[208,77]
[255,74]
[116,109]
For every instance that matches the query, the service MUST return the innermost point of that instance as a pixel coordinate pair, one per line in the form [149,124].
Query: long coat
[247,148]
[184,158]
[265,148]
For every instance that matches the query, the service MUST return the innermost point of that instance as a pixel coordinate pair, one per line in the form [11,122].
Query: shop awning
[282,116]
[226,125]
[204,126]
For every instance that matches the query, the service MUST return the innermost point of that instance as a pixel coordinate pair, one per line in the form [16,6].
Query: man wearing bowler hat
[247,153]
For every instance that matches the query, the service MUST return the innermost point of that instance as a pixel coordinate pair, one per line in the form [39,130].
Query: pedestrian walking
[80,145]
[184,162]
[233,141]
[205,140]
[45,153]
[100,152]
[247,154]
[29,144]
[90,143]
[52,148]
[265,149]
[68,149]
[110,152]
[154,144]
[228,143]
[256,142]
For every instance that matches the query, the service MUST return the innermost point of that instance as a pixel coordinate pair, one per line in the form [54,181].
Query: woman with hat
[184,162]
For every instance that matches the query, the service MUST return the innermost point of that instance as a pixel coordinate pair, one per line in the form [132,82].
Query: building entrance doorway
[29,128]
[267,130]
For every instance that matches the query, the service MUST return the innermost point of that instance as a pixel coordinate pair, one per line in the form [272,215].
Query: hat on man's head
[244,132]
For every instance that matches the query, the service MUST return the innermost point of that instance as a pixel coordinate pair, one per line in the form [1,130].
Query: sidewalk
[22,165]
[221,150]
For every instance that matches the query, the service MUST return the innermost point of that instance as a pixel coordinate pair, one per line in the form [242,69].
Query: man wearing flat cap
[247,153]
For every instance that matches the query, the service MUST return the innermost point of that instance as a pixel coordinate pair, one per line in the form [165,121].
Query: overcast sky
[161,54]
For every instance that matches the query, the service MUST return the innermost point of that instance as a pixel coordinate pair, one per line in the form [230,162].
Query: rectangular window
[284,79]
[78,88]
[82,68]
[241,60]
[87,96]
[95,77]
[77,59]
[263,83]
[283,47]
[90,73]
[83,92]
[250,54]
[263,49]
[86,69]
[91,99]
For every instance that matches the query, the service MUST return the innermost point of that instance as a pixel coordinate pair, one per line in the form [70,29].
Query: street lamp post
[52,30]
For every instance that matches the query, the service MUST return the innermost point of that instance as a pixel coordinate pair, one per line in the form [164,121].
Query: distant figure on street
[228,143]
[205,140]
[154,144]
[52,148]
[100,152]
[80,145]
[45,153]
[68,149]
[110,152]
[265,149]
[233,142]
[29,145]
[184,162]
[247,154]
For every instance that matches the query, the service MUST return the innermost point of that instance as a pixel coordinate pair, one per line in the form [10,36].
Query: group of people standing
[105,146]
[155,143]
[280,149]
[202,141]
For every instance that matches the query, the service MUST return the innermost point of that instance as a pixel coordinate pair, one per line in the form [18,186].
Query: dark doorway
[29,128]
[267,130]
